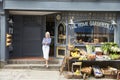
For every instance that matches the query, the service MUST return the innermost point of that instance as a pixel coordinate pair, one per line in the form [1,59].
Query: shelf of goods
[79,68]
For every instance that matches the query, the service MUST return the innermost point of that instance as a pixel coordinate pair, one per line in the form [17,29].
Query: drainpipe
[118,31]
[2,40]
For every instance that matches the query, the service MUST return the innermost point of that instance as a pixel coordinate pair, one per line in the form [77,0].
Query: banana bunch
[75,54]
[77,72]
[82,58]
[76,49]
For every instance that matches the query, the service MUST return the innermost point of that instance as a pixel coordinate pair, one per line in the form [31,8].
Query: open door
[50,27]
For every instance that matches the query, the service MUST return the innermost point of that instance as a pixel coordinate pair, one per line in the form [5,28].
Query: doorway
[28,32]
[50,27]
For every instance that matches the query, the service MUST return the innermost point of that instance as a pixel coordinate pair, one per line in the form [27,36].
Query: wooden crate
[107,71]
[68,75]
[77,76]
[111,76]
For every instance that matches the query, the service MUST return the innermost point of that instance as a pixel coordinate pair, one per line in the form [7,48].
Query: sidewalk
[35,74]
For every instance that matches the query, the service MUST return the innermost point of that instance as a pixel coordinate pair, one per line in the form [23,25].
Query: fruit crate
[77,76]
[108,73]
[110,76]
[75,66]
[86,70]
[68,75]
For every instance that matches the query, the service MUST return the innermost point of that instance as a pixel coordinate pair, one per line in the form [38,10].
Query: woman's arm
[43,41]
[49,41]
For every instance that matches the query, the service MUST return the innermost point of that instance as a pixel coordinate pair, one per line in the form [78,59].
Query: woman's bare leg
[46,63]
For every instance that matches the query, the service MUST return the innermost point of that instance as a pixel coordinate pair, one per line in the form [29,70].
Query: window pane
[61,34]
[93,33]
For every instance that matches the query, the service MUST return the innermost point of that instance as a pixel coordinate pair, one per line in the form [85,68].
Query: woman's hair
[47,33]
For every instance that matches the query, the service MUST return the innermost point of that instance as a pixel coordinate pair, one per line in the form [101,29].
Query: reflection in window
[62,34]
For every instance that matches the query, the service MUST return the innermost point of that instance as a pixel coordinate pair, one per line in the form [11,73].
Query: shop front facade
[92,24]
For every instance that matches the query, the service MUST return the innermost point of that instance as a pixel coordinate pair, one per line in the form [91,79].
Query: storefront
[92,24]
[89,27]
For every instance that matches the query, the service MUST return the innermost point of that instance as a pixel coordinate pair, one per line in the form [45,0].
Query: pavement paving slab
[36,74]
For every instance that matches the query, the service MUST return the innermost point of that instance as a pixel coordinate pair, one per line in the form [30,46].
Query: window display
[92,32]
[61,34]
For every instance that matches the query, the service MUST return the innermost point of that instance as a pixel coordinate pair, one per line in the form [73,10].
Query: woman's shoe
[46,66]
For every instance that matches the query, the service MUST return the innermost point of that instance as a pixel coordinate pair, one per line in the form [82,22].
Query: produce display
[114,56]
[108,51]
[83,55]
[83,58]
[108,46]
[115,49]
[75,54]
[91,56]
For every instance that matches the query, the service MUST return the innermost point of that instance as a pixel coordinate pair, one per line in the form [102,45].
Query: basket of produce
[106,71]
[97,72]
[109,71]
[87,70]
[114,56]
[91,56]
[77,74]
[75,53]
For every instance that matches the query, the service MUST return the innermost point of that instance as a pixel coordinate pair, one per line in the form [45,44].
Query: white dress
[46,47]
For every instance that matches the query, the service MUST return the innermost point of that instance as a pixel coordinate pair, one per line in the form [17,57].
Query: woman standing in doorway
[46,47]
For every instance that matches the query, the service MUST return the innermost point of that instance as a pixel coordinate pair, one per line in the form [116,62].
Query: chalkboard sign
[61,51]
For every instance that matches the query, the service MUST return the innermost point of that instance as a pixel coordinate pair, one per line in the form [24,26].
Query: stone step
[31,61]
[52,67]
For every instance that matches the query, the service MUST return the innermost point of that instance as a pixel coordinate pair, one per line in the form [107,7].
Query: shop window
[93,32]
[61,38]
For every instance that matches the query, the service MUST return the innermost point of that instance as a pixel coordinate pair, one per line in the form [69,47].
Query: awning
[62,6]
